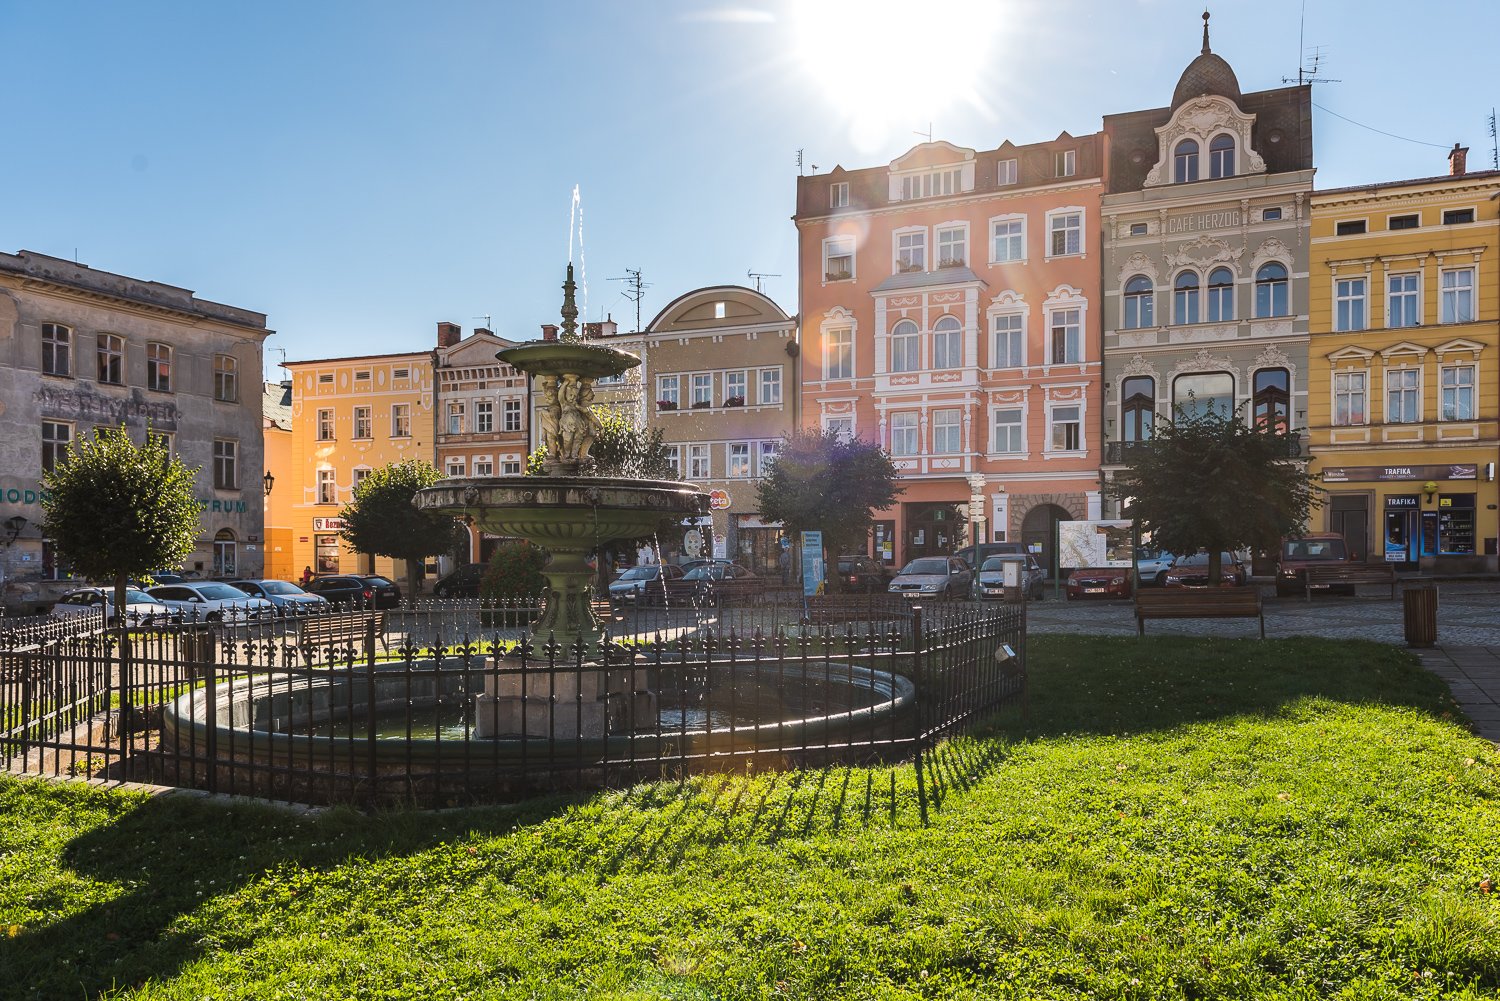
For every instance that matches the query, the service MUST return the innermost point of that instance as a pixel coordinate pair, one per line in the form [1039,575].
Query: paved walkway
[1468,658]
[1473,673]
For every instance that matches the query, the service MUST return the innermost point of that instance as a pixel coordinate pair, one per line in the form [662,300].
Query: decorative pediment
[1205,361]
[1138,264]
[933,154]
[1064,394]
[1459,345]
[1273,357]
[1008,299]
[838,316]
[1351,352]
[1064,293]
[1404,348]
[1271,250]
[838,408]
[1202,119]
[1138,365]
[1203,252]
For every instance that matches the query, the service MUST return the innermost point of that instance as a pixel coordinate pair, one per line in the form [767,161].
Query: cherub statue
[551,417]
[573,426]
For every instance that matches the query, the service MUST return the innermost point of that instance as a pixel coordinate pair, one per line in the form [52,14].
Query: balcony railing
[1117,453]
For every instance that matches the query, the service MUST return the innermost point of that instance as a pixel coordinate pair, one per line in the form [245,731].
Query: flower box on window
[951,262]
[666,404]
[907,269]
[836,276]
[701,404]
[734,401]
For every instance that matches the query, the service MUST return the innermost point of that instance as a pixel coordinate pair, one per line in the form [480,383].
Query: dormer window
[1005,172]
[1065,163]
[1185,161]
[932,184]
[838,195]
[1221,156]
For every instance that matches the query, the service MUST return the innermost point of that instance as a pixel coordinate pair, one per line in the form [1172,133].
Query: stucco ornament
[1203,252]
[1138,365]
[1271,250]
[1201,119]
[1138,264]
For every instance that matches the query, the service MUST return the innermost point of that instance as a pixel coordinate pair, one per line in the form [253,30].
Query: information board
[1095,544]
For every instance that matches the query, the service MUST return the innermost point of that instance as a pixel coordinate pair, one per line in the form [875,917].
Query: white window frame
[840,424]
[226,378]
[839,340]
[1350,294]
[1052,424]
[57,446]
[484,416]
[956,234]
[917,235]
[838,195]
[510,467]
[357,476]
[1020,426]
[765,455]
[1445,294]
[1349,393]
[364,423]
[736,384]
[57,344]
[1052,314]
[484,467]
[454,466]
[109,354]
[700,390]
[949,421]
[325,429]
[672,455]
[456,414]
[913,339]
[669,389]
[1065,163]
[1080,227]
[1414,294]
[1402,371]
[838,248]
[328,488]
[955,337]
[699,462]
[511,416]
[769,387]
[158,367]
[1006,172]
[1019,222]
[909,443]
[401,420]
[1471,386]
[738,461]
[996,355]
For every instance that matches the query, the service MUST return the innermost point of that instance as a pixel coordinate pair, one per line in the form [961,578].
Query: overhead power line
[1372,128]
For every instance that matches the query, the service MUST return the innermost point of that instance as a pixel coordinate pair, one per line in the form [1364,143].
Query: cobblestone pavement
[1473,674]
[1468,616]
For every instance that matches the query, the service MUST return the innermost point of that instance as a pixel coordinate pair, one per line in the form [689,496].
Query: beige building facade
[81,349]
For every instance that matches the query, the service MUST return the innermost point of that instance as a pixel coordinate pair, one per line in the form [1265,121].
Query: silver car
[212,602]
[990,584]
[934,577]
[1151,566]
[288,598]
[140,608]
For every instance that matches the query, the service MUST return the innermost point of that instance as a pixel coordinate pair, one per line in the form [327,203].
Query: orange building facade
[950,314]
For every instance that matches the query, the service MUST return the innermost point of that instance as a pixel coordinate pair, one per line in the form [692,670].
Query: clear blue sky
[359,171]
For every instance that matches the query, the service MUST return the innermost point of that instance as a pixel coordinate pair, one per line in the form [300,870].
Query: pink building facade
[951,313]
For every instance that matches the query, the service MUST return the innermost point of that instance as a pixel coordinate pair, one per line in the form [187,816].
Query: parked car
[976,555]
[861,573]
[642,585]
[989,585]
[1314,549]
[140,607]
[1098,582]
[717,579]
[1192,571]
[1151,566]
[461,583]
[289,599]
[365,590]
[934,576]
[211,601]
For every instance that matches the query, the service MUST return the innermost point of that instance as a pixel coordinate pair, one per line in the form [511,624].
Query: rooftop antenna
[1304,74]
[486,318]
[759,277]
[928,133]
[635,291]
[1494,143]
[799,160]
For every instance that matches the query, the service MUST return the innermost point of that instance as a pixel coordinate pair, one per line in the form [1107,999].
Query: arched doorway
[1039,529]
[225,562]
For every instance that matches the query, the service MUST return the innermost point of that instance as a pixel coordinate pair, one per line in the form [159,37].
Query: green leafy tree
[384,520]
[823,482]
[116,510]
[621,448]
[1211,481]
[515,571]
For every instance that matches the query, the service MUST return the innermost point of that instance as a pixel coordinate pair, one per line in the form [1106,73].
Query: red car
[1192,571]
[1099,582]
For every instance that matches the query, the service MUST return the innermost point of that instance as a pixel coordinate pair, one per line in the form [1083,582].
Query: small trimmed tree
[384,520]
[118,510]
[824,482]
[1208,480]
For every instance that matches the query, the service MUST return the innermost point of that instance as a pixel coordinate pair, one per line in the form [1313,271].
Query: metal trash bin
[1419,604]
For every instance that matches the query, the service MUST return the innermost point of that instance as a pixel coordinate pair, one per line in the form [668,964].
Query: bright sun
[893,65]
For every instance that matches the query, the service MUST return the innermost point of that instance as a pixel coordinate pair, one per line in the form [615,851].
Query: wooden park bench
[1198,603]
[340,627]
[1323,578]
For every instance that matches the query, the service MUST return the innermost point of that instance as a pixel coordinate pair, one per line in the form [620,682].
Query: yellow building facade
[1404,401]
[350,416]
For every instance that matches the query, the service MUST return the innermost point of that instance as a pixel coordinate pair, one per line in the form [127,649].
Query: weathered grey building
[80,349]
[1206,248]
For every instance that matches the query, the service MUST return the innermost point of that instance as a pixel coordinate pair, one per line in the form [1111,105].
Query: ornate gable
[1203,118]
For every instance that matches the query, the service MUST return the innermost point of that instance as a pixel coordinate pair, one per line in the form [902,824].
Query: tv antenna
[635,291]
[800,160]
[1304,75]
[758,276]
[486,318]
[1494,143]
[927,134]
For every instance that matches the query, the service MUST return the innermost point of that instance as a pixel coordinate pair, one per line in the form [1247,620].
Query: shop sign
[1365,474]
[755,521]
[328,524]
[1411,501]
[1203,220]
[718,500]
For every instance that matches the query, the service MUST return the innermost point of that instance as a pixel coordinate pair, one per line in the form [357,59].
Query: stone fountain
[569,513]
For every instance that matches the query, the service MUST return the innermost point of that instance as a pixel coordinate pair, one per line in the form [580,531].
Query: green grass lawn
[1180,818]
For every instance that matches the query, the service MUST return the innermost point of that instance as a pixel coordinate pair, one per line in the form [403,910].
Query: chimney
[449,334]
[484,330]
[1458,160]
[601,328]
[549,331]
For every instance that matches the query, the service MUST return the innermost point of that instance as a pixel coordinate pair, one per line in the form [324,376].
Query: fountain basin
[562,510]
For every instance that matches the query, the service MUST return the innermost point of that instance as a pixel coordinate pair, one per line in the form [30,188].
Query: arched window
[906,347]
[1220,295]
[1185,298]
[1138,407]
[1273,399]
[1203,392]
[1270,290]
[1185,161]
[947,344]
[1221,156]
[1140,299]
[224,554]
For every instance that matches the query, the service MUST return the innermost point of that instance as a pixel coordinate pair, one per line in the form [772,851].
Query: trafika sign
[718,500]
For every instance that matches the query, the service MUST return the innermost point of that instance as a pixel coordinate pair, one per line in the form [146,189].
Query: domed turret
[1208,74]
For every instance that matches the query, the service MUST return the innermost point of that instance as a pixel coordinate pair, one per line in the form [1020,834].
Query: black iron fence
[455,703]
